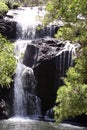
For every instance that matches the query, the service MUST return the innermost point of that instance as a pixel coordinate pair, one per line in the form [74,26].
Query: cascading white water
[28,20]
[64,61]
[72,52]
[25,101]
[19,95]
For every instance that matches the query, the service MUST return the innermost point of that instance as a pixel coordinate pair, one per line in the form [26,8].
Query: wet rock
[49,114]
[47,31]
[1,16]
[50,58]
[8,28]
[6,101]
[4,112]
[33,105]
[29,81]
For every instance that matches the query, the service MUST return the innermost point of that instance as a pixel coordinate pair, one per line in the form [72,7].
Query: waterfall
[26,102]
[33,46]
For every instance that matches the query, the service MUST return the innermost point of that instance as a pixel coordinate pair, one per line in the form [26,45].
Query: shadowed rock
[8,28]
[4,112]
[50,59]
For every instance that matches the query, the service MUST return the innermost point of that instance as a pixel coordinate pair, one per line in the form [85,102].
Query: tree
[72,96]
[7,62]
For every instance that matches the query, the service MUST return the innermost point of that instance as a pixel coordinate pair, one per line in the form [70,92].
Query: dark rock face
[50,114]
[46,31]
[4,107]
[48,75]
[8,28]
[33,105]
[50,61]
[4,112]
[6,102]
[46,89]
[1,16]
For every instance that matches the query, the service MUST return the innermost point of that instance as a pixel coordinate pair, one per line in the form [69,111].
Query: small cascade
[65,59]
[27,22]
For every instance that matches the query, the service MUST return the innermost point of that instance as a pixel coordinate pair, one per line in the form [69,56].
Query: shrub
[7,62]
[3,8]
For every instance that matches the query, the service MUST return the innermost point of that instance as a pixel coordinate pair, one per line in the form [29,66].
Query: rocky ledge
[7,28]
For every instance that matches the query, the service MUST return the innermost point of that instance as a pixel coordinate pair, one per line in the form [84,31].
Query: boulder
[29,81]
[50,58]
[33,105]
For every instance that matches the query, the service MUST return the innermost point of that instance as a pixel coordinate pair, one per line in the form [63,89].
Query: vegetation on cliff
[72,97]
[3,8]
[7,62]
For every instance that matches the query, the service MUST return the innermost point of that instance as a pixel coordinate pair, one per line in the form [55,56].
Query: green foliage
[67,9]
[75,33]
[72,97]
[12,4]
[7,62]
[81,65]
[70,33]
[3,7]
[75,28]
